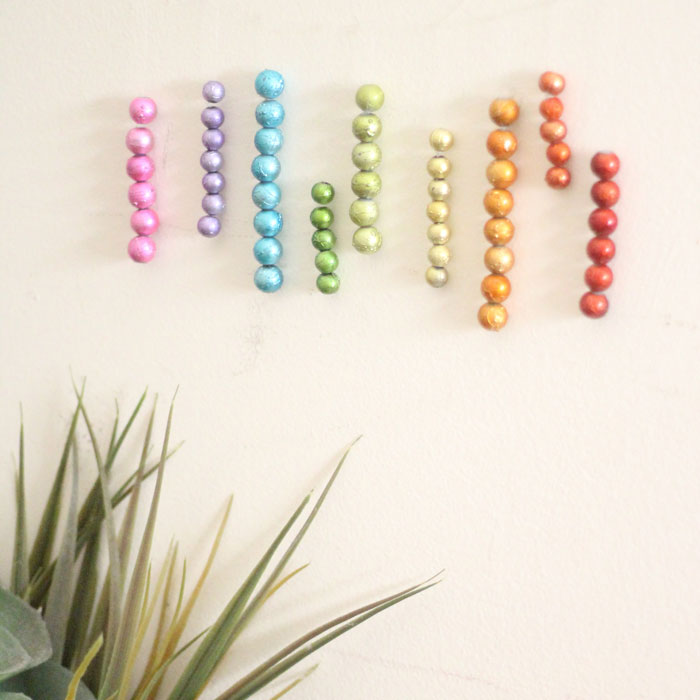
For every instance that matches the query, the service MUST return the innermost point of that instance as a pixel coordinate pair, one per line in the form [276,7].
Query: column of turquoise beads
[266,168]
[366,156]
[323,238]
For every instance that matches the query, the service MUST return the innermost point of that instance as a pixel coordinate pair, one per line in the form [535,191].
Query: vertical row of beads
[323,239]
[603,222]
[265,167]
[438,211]
[211,160]
[498,203]
[553,130]
[366,155]
[140,168]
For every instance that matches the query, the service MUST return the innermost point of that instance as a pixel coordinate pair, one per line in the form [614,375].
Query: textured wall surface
[551,469]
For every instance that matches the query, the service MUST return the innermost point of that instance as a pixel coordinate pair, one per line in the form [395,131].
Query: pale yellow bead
[439,255]
[499,259]
[439,167]
[441,140]
[436,276]
[439,189]
[439,233]
[438,212]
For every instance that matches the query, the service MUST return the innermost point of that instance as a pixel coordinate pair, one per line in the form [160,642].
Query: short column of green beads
[323,238]
[366,156]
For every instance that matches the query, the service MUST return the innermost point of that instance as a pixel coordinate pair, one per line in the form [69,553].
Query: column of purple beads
[212,160]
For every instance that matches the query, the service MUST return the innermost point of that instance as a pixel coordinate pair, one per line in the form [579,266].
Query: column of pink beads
[140,168]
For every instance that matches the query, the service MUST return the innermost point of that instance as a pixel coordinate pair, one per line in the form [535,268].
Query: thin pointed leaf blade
[20,560]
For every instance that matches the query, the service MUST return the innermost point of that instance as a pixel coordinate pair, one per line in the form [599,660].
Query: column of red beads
[140,168]
[553,130]
[603,222]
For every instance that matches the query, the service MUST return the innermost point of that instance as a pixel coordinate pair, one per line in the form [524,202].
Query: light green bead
[366,127]
[323,239]
[366,156]
[369,97]
[367,240]
[366,184]
[328,284]
[321,217]
[364,212]
[322,192]
[326,261]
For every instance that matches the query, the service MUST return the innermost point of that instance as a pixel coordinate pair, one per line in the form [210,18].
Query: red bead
[598,277]
[594,305]
[605,165]
[558,178]
[558,153]
[551,108]
[602,221]
[605,193]
[601,250]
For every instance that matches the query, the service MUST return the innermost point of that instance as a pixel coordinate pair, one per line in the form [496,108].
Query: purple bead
[211,161]
[213,182]
[209,226]
[213,91]
[213,204]
[213,139]
[212,117]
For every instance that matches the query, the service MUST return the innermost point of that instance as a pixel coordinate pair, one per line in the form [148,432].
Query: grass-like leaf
[82,668]
[294,683]
[20,561]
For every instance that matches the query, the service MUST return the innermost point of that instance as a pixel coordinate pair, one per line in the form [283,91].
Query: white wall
[551,468]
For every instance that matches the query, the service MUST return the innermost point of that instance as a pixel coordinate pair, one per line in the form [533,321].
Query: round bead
[558,153]
[212,117]
[213,91]
[143,110]
[366,127]
[322,192]
[269,84]
[438,234]
[558,178]
[501,173]
[140,168]
[553,131]
[551,82]
[498,202]
[268,140]
[439,255]
[499,231]
[213,139]
[267,251]
[605,165]
[268,278]
[366,156]
[493,316]
[501,143]
[265,168]
[439,167]
[213,204]
[141,249]
[364,212]
[602,222]
[369,98]
[495,288]
[438,211]
[269,113]
[144,222]
[211,161]
[598,277]
[605,193]
[321,217]
[326,261]
[594,305]
[328,283]
[436,276]
[268,223]
[209,226]
[366,184]
[504,112]
[441,140]
[213,182]
[499,259]
[601,250]
[367,239]
[551,108]
[439,189]
[266,195]
[139,140]
[323,239]
[142,195]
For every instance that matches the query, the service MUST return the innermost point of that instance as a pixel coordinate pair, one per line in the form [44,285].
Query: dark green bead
[322,192]
[326,261]
[328,284]
[323,239]
[321,217]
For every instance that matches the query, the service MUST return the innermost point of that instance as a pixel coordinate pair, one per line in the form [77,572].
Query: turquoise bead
[267,251]
[268,222]
[268,141]
[269,113]
[266,195]
[265,168]
[268,278]
[269,84]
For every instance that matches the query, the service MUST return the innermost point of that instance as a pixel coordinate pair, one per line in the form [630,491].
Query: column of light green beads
[366,156]
[323,238]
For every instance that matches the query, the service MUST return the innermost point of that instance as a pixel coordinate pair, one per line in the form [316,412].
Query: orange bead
[551,108]
[493,316]
[558,153]
[504,112]
[495,288]
[551,82]
[501,173]
[499,231]
[605,193]
[498,202]
[501,143]
[558,178]
[553,131]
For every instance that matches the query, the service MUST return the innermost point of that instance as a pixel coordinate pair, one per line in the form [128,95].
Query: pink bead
[141,249]
[143,110]
[139,140]
[145,222]
[140,168]
[142,195]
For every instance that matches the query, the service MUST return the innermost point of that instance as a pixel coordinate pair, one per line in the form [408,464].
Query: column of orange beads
[553,130]
[498,202]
